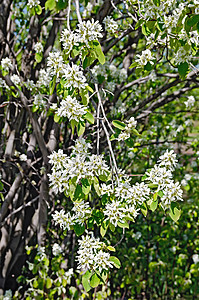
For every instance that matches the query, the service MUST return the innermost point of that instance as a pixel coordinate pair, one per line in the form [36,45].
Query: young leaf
[110,248]
[183,69]
[79,229]
[86,187]
[50,4]
[119,124]
[123,224]
[80,128]
[98,51]
[85,280]
[103,228]
[115,261]
[94,281]
[174,212]
[89,117]
[144,209]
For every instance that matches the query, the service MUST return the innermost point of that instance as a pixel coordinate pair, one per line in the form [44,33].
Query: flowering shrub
[90,89]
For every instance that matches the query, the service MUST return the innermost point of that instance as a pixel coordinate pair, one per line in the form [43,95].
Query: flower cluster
[44,78]
[74,77]
[56,250]
[39,101]
[131,124]
[190,102]
[6,64]
[161,176]
[76,166]
[86,32]
[144,58]
[111,26]
[15,79]
[38,47]
[33,3]
[91,256]
[71,109]
[55,63]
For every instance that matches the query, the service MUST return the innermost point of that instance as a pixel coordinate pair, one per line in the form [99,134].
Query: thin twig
[68,15]
[103,112]
[78,12]
[17,210]
[98,129]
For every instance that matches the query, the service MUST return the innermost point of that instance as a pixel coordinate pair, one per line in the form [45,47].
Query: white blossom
[90,255]
[190,102]
[23,157]
[15,79]
[6,64]
[123,136]
[33,3]
[115,212]
[82,212]
[172,192]
[168,159]
[38,47]
[30,85]
[144,58]
[65,220]
[8,295]
[41,252]
[74,77]
[89,31]
[72,109]
[111,25]
[56,250]
[44,78]
[39,101]
[55,63]
[69,39]
[87,10]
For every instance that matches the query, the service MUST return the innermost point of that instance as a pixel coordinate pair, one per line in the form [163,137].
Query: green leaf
[115,261]
[50,4]
[103,228]
[139,23]
[183,69]
[94,281]
[154,205]
[135,132]
[123,224]
[79,229]
[89,89]
[80,128]
[110,248]
[85,96]
[56,118]
[174,212]
[89,117]
[96,185]
[38,9]
[133,65]
[73,123]
[98,51]
[61,4]
[90,222]
[85,280]
[48,283]
[190,22]
[119,124]
[52,85]
[38,57]
[78,195]
[86,187]
[112,227]
[144,209]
